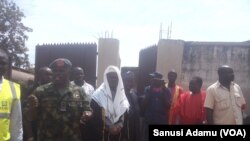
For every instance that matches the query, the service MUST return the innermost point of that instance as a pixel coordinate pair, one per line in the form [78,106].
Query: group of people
[221,104]
[58,109]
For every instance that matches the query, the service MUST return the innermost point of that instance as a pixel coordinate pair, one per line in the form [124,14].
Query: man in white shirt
[224,100]
[79,79]
[10,106]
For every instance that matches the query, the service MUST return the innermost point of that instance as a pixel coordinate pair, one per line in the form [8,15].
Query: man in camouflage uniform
[59,107]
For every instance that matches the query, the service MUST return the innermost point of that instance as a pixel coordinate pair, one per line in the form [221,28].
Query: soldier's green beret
[61,63]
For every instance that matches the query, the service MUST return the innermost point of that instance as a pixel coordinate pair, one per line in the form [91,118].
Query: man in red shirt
[189,108]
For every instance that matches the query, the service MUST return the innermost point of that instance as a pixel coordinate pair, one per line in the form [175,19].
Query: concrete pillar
[108,54]
[169,56]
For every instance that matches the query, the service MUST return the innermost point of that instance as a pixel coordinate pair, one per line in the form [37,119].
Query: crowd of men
[57,109]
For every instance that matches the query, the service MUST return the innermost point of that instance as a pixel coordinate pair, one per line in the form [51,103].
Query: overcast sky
[135,23]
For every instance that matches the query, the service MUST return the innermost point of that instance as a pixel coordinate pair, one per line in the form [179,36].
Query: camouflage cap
[61,63]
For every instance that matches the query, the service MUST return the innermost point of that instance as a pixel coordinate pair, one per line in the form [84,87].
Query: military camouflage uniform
[59,113]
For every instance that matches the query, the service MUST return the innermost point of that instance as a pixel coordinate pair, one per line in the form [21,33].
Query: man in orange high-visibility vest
[10,106]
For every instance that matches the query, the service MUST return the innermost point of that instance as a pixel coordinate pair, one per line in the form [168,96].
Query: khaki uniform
[227,105]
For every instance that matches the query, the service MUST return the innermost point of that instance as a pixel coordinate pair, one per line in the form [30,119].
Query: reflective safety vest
[10,92]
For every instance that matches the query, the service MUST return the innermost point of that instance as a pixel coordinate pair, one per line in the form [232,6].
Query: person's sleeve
[181,91]
[177,109]
[243,101]
[125,129]
[136,103]
[16,126]
[96,123]
[146,92]
[30,114]
[92,89]
[169,97]
[209,100]
[203,112]
[146,97]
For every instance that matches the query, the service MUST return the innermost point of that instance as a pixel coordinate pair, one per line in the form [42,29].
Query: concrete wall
[169,56]
[203,59]
[108,54]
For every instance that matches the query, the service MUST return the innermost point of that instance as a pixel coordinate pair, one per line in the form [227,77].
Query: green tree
[13,33]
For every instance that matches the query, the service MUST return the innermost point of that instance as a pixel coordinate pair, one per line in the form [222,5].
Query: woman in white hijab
[109,104]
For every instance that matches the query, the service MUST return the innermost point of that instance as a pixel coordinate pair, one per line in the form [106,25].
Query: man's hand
[30,139]
[86,115]
[33,101]
[115,129]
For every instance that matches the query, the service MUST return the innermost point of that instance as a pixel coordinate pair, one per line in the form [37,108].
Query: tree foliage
[13,33]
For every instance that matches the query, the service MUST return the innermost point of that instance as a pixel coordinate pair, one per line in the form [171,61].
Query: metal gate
[147,64]
[83,55]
